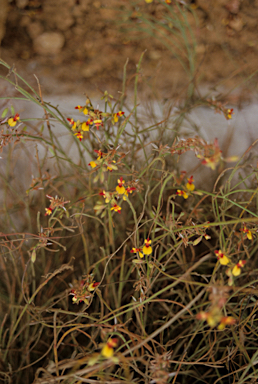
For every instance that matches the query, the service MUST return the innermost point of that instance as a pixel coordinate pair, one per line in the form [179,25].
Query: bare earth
[83,44]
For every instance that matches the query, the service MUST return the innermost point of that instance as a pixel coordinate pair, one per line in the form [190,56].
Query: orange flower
[227,320]
[147,250]
[237,268]
[223,259]
[48,211]
[100,154]
[130,189]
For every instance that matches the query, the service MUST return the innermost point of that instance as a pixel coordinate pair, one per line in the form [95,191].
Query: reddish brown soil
[99,36]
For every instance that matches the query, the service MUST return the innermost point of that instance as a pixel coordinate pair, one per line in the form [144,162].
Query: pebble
[49,43]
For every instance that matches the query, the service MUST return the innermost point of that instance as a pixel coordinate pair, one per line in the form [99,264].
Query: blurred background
[82,45]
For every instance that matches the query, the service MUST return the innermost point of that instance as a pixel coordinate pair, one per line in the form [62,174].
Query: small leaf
[4,113]
[51,151]
[93,360]
[12,110]
[197,241]
[96,178]
[115,359]
[137,261]
[232,159]
[33,255]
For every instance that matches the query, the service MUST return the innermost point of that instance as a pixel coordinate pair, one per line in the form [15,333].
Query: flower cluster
[214,316]
[83,290]
[79,127]
[112,198]
[55,202]
[209,154]
[104,162]
[145,250]
[220,108]
[95,119]
[189,188]
[234,270]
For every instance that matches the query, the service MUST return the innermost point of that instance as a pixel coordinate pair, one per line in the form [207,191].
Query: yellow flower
[148,1]
[73,123]
[106,196]
[182,193]
[85,126]
[79,135]
[237,268]
[93,286]
[213,317]
[48,211]
[116,208]
[117,115]
[137,250]
[248,233]
[97,123]
[190,185]
[120,188]
[92,164]
[13,120]
[223,259]
[147,250]
[229,113]
[108,349]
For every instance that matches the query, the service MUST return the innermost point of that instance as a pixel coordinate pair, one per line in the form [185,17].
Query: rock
[34,29]
[22,3]
[49,43]
[233,6]
[236,24]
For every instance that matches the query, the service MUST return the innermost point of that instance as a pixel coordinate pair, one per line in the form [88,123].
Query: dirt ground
[82,45]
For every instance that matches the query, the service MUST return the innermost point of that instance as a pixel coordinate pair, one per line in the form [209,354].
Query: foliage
[116,266]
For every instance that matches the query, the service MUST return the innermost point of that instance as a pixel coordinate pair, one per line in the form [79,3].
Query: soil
[82,46]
